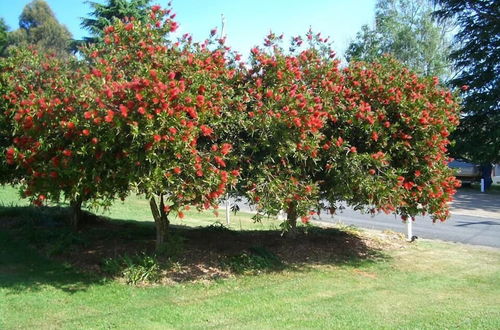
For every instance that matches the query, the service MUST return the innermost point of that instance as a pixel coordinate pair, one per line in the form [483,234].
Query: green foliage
[3,36]
[141,268]
[407,30]
[39,27]
[257,260]
[173,246]
[477,61]
[103,15]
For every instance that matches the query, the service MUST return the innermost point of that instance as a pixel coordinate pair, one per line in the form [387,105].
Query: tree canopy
[477,59]
[102,15]
[407,30]
[39,27]
[3,36]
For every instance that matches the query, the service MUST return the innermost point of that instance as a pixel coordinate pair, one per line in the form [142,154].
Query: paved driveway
[475,220]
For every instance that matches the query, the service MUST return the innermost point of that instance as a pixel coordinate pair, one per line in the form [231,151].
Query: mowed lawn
[426,284]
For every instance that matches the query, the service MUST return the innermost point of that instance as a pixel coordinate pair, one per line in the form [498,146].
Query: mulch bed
[203,249]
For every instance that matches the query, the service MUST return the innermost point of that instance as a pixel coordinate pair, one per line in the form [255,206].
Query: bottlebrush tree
[137,111]
[282,140]
[394,126]
[372,135]
[166,107]
[52,155]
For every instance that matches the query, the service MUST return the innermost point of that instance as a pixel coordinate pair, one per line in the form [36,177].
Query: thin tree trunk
[161,221]
[291,219]
[76,214]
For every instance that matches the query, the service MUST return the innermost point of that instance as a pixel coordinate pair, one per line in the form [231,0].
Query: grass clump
[256,260]
[138,269]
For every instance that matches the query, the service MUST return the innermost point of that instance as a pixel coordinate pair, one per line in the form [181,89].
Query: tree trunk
[291,219]
[76,214]
[161,221]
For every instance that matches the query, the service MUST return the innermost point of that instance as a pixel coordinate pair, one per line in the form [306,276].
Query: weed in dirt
[256,260]
[138,269]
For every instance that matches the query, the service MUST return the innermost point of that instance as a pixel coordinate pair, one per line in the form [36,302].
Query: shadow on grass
[37,249]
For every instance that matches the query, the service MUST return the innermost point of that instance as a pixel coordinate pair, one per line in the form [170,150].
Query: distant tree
[38,26]
[3,36]
[407,30]
[102,15]
[477,59]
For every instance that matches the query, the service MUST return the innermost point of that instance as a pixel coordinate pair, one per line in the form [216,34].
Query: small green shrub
[257,260]
[173,246]
[64,242]
[218,227]
[137,269]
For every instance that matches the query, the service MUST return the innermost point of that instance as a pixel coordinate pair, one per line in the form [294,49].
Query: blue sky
[247,22]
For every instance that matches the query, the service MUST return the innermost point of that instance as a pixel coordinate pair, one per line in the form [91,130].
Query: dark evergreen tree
[3,36]
[477,59]
[102,15]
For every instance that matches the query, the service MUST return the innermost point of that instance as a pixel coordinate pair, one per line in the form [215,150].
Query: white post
[227,210]
[409,228]
[482,185]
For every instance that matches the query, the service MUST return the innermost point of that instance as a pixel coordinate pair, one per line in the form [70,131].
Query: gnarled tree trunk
[291,219]
[76,213]
[161,221]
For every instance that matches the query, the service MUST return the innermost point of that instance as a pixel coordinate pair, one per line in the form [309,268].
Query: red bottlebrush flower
[235,172]
[139,96]
[464,87]
[87,115]
[67,153]
[226,148]
[53,174]
[417,173]
[353,150]
[157,138]
[174,26]
[155,8]
[200,99]
[97,73]
[220,161]
[180,214]
[95,140]
[141,110]
[177,170]
[206,131]
[374,136]
[339,142]
[109,29]
[123,110]
[371,171]
[408,185]
[129,26]
[86,132]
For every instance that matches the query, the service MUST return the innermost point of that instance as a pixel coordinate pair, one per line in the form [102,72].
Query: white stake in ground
[409,229]
[228,221]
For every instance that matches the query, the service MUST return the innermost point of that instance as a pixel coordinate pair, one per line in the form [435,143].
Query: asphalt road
[459,228]
[475,220]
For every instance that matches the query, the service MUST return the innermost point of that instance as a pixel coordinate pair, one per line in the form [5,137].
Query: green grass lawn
[427,284]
